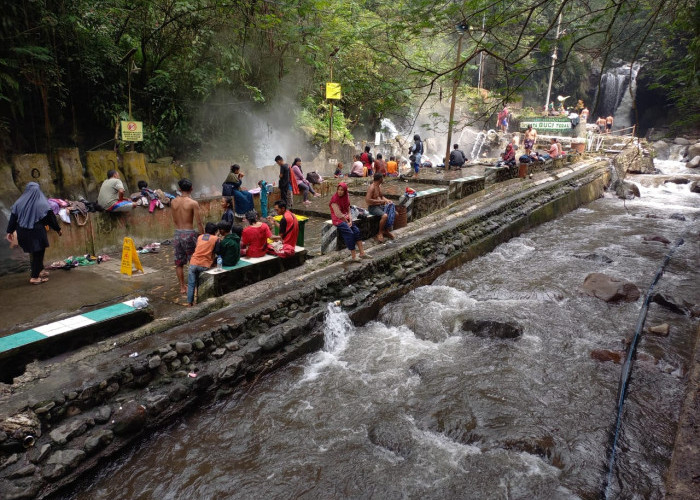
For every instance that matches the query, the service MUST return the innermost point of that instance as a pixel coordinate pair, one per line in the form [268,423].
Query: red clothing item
[364,158]
[290,232]
[204,252]
[255,238]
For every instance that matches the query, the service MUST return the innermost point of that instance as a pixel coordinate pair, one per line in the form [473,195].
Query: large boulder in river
[610,289]
[393,434]
[682,141]
[625,190]
[493,329]
[663,150]
[694,163]
[694,150]
[695,187]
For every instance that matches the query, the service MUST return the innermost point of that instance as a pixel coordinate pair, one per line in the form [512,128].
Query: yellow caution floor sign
[130,258]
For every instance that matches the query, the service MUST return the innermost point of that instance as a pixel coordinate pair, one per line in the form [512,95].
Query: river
[413,405]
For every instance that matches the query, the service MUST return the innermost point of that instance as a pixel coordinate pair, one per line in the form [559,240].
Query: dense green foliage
[199,62]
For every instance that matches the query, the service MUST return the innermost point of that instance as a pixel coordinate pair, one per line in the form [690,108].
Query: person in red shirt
[289,229]
[254,238]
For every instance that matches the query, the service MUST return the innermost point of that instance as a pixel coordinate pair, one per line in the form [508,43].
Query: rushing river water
[412,405]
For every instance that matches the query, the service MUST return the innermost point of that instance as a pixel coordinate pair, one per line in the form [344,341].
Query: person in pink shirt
[554,148]
[304,185]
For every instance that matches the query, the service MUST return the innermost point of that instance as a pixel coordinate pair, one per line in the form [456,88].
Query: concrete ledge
[464,186]
[215,282]
[67,334]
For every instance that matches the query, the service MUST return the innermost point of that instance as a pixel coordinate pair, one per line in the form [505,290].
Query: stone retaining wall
[77,428]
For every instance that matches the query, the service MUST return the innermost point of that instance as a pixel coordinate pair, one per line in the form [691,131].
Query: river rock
[61,462]
[394,435]
[656,237]
[627,190]
[102,414]
[681,141]
[604,355]
[670,303]
[154,362]
[183,347]
[694,150]
[677,180]
[98,440]
[129,418]
[22,424]
[61,435]
[23,488]
[695,187]
[271,341]
[603,259]
[679,217]
[661,330]
[610,289]
[230,368]
[23,471]
[454,421]
[493,329]
[694,163]
[663,150]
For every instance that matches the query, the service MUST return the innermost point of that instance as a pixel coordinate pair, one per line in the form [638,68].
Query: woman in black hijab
[29,216]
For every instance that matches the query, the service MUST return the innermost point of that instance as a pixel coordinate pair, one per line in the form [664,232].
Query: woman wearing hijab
[340,215]
[29,216]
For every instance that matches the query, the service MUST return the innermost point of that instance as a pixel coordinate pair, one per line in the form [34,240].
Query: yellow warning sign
[132,131]
[130,258]
[333,91]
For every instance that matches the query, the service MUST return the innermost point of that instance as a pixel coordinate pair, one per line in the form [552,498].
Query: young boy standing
[202,258]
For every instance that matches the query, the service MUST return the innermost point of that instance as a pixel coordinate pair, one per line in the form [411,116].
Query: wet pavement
[82,289]
[85,288]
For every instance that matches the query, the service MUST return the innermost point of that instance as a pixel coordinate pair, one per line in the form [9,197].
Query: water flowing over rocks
[694,163]
[167,378]
[610,289]
[492,329]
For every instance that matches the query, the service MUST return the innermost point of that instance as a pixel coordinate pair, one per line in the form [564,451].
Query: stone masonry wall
[51,442]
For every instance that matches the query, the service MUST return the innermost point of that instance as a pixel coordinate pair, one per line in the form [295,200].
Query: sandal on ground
[38,281]
[365,256]
[44,274]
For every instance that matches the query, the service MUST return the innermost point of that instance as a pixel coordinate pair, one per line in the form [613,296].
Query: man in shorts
[376,205]
[185,210]
[529,139]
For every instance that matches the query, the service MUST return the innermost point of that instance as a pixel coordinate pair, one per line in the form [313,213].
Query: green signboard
[546,123]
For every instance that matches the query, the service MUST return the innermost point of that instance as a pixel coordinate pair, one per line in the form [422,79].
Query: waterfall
[613,96]
[623,114]
[387,125]
[478,144]
[337,328]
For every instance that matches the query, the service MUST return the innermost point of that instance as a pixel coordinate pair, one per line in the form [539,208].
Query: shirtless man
[185,210]
[375,206]
[608,124]
[530,139]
